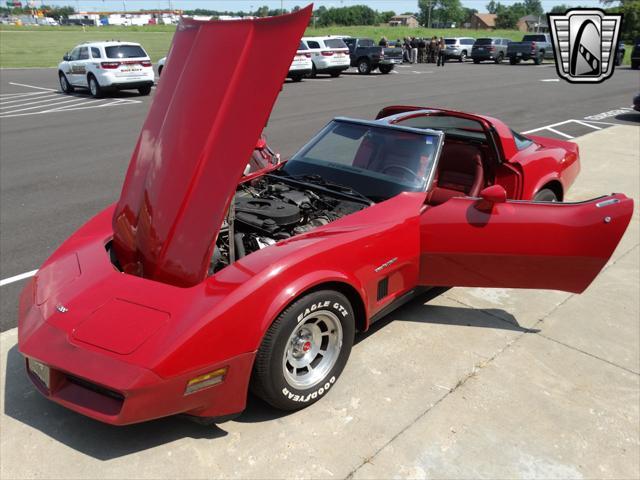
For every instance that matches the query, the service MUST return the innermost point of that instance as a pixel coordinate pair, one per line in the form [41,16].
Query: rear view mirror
[66,57]
[494,194]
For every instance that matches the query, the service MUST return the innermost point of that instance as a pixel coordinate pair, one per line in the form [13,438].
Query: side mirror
[490,196]
[494,194]
[66,57]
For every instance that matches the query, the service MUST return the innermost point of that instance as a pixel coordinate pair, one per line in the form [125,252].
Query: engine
[267,210]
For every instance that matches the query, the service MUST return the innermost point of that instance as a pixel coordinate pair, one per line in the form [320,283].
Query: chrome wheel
[312,349]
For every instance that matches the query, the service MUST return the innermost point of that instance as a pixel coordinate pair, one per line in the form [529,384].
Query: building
[482,21]
[404,21]
[533,23]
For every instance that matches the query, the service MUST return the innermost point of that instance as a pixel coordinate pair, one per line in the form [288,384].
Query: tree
[448,11]
[492,6]
[384,17]
[560,8]
[630,10]
[508,16]
[533,7]
[425,7]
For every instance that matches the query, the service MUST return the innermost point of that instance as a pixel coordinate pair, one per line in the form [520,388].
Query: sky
[399,6]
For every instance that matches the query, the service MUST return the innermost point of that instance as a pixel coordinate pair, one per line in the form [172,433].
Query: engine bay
[271,208]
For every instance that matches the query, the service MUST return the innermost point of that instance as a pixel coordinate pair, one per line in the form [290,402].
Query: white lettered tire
[304,351]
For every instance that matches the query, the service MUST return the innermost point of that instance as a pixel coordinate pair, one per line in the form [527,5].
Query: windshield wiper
[336,187]
[314,178]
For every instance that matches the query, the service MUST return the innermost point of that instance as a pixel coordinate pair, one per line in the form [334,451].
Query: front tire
[500,58]
[304,351]
[65,86]
[384,69]
[635,64]
[335,74]
[463,56]
[545,195]
[94,88]
[364,67]
[476,61]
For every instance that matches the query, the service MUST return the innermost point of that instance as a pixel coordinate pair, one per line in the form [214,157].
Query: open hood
[217,90]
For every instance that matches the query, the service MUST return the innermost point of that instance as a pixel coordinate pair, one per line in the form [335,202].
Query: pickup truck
[366,56]
[535,46]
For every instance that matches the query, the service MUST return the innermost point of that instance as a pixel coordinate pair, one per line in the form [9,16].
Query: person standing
[383,42]
[442,54]
[414,50]
[406,50]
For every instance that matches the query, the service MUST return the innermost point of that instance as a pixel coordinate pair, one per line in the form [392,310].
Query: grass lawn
[44,46]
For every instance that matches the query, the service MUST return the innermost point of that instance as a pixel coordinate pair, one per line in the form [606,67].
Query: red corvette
[199,283]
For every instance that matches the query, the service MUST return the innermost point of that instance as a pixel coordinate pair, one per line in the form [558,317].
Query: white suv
[301,65]
[329,55]
[102,66]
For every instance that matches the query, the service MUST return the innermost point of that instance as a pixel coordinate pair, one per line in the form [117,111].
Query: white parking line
[17,278]
[549,79]
[557,132]
[32,86]
[10,112]
[49,97]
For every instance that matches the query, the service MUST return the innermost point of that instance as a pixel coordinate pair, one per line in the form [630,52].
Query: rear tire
[144,90]
[513,60]
[160,70]
[476,61]
[94,87]
[384,69]
[463,56]
[635,64]
[335,74]
[545,195]
[304,351]
[500,58]
[296,78]
[364,67]
[65,86]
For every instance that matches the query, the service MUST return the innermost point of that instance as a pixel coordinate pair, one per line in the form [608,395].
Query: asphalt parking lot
[477,383]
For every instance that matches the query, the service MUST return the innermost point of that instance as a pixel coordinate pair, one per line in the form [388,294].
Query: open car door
[491,242]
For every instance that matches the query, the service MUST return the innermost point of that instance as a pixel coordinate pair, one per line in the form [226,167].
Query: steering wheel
[403,168]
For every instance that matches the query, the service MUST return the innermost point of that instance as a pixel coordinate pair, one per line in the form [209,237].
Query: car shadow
[105,442]
[98,440]
[81,93]
[629,117]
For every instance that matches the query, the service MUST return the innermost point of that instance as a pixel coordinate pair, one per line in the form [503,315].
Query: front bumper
[87,380]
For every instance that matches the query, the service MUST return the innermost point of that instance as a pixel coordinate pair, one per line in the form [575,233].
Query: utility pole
[429,15]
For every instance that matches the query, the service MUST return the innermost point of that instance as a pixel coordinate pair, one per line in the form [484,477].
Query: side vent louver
[383,288]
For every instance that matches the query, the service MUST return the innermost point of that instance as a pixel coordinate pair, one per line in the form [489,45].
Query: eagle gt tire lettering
[304,351]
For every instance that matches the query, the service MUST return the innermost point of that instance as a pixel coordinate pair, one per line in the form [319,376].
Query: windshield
[484,41]
[378,162]
[125,51]
[450,41]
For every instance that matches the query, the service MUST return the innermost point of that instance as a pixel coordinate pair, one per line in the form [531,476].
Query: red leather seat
[460,173]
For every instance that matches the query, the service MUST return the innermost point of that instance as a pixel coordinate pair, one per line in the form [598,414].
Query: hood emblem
[61,308]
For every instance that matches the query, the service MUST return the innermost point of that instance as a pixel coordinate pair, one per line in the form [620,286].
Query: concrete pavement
[474,384]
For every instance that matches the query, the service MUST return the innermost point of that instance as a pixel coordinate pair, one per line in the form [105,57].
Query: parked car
[636,103]
[161,63]
[489,49]
[367,56]
[459,47]
[199,284]
[301,66]
[536,47]
[328,54]
[106,66]
[635,54]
